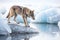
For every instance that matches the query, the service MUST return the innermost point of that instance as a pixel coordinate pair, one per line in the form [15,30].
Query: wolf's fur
[23,11]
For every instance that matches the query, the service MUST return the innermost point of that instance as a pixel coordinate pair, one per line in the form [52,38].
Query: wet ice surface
[17,37]
[47,32]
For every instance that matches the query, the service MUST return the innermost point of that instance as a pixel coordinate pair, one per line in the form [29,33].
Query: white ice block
[59,24]
[54,19]
[4,28]
[51,15]
[20,28]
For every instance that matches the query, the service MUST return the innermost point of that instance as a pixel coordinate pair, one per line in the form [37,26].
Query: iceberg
[51,15]
[59,24]
[4,28]
[20,28]
[2,10]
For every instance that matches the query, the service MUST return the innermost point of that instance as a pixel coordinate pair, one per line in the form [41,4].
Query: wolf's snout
[33,18]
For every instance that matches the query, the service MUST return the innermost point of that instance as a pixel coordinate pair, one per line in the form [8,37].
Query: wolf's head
[32,14]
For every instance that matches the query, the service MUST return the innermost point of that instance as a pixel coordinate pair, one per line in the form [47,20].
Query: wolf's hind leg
[15,18]
[9,19]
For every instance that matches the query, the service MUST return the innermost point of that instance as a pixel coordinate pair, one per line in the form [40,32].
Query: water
[46,32]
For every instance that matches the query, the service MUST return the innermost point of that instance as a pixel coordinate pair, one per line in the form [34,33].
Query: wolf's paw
[18,22]
[8,22]
[27,26]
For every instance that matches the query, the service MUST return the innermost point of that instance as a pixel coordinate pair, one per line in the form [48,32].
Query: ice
[4,28]
[18,37]
[2,10]
[55,18]
[59,24]
[20,28]
[47,32]
[51,15]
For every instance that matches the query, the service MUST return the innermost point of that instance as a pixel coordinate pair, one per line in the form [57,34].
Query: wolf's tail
[8,15]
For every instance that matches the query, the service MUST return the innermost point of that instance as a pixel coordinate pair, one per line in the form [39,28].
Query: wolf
[20,10]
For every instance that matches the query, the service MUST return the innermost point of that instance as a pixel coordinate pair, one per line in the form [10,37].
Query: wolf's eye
[30,11]
[32,14]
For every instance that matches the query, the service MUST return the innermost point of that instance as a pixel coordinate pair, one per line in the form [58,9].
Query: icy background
[4,28]
[46,11]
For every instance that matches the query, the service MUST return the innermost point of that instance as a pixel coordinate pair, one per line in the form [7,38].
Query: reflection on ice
[17,37]
[46,27]
[47,32]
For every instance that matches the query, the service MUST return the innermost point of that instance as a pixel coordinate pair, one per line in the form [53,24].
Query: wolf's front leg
[15,18]
[25,21]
